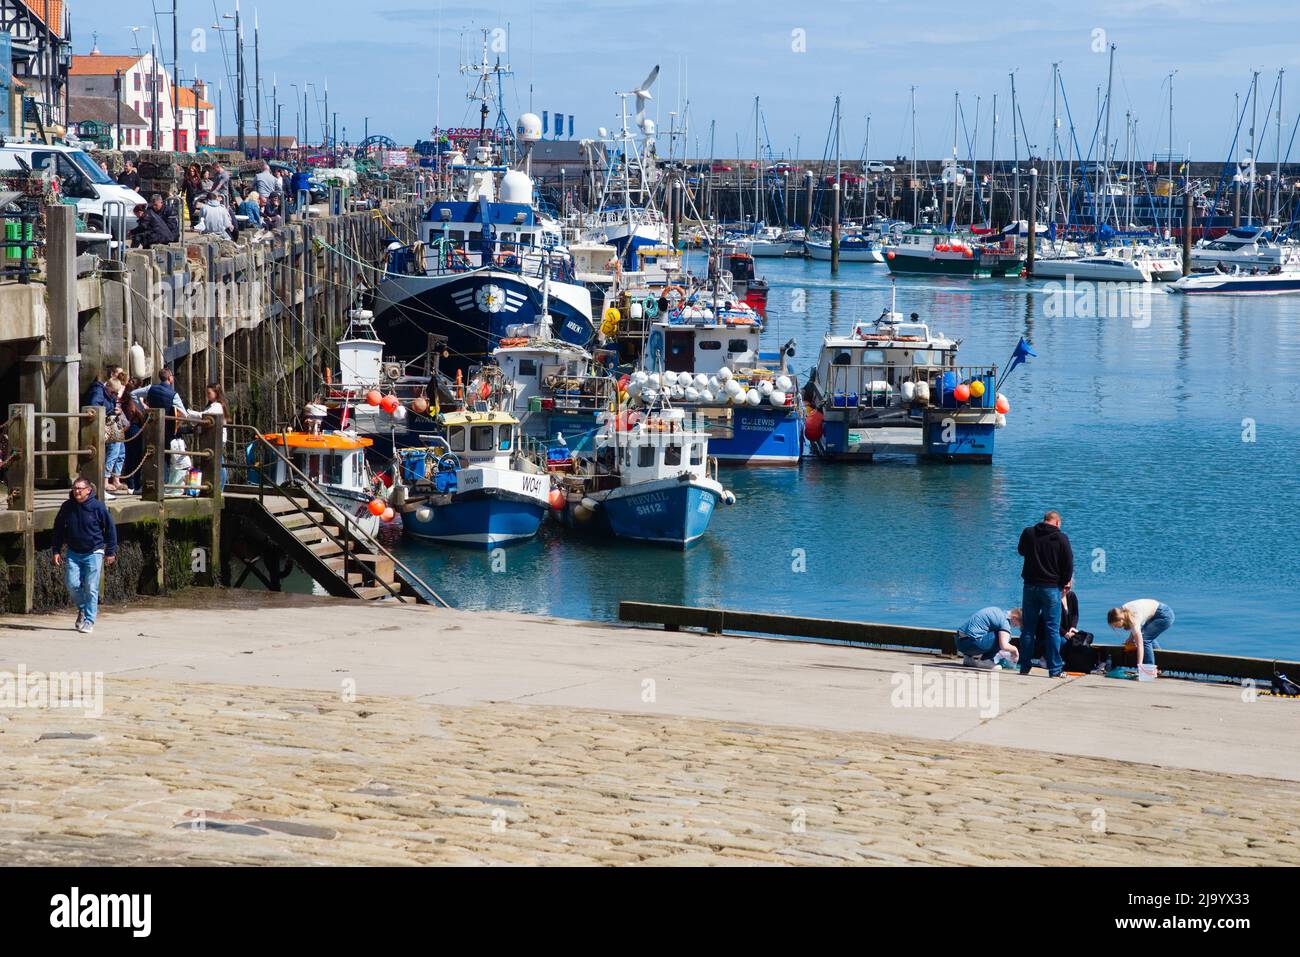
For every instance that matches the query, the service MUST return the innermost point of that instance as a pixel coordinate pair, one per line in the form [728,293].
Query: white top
[1142,610]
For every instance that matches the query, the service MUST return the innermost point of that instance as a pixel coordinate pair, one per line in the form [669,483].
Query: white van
[80,177]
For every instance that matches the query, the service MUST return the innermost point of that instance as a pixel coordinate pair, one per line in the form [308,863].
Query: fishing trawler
[930,251]
[891,386]
[704,354]
[650,480]
[478,487]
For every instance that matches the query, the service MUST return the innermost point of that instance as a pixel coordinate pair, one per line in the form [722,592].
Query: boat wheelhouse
[335,462]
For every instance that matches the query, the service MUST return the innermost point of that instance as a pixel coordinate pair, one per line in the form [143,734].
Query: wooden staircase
[341,557]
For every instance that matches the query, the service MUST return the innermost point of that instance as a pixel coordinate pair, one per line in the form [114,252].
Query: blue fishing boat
[650,480]
[478,488]
[479,269]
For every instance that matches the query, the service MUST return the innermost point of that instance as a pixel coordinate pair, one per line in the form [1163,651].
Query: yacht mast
[1277,176]
[1103,171]
[974,160]
[1170,216]
[993,165]
[758,173]
[1015,155]
[1052,170]
[866,149]
[1254,116]
[915,195]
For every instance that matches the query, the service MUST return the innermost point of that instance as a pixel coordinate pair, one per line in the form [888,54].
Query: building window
[137,81]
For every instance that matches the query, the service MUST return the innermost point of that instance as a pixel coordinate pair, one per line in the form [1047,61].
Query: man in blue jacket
[86,529]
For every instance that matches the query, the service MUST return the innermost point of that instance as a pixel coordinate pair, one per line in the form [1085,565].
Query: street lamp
[564,196]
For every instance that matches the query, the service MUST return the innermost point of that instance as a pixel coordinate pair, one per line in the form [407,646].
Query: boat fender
[728,497]
[590,504]
[424,514]
[140,368]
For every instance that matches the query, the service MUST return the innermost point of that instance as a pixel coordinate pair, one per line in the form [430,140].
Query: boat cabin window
[673,455]
[843,359]
[456,438]
[710,345]
[697,453]
[506,439]
[873,357]
[738,345]
[474,237]
[646,456]
[528,367]
[480,438]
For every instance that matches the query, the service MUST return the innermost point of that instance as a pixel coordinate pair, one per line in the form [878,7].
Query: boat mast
[1277,176]
[758,173]
[974,160]
[1015,155]
[1171,156]
[1052,169]
[1254,115]
[1130,134]
[993,166]
[956,106]
[866,149]
[915,196]
[1103,171]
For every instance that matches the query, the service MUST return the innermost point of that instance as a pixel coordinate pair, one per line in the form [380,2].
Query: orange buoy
[815,426]
[376,507]
[557,500]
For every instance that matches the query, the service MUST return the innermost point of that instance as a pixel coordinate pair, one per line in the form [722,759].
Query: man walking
[1048,567]
[86,529]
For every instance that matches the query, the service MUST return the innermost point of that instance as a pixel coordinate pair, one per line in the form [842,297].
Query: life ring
[668,294]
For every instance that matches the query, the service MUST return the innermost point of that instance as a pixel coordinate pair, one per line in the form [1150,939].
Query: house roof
[103,109]
[38,8]
[99,64]
[185,98]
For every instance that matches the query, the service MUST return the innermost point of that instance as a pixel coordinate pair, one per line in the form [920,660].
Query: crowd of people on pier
[1048,619]
[212,203]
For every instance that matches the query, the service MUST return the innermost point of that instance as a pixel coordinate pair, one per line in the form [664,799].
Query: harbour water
[1168,441]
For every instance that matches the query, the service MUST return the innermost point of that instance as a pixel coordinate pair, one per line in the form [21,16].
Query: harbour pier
[260,318]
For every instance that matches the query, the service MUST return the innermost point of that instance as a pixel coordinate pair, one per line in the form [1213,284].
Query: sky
[388,59]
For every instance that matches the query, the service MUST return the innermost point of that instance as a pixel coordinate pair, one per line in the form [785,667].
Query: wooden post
[1236,201]
[808,200]
[22,442]
[1032,242]
[91,439]
[153,472]
[835,228]
[212,464]
[1187,230]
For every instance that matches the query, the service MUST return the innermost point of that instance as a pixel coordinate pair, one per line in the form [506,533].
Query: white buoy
[706,396]
[656,380]
[582,515]
[669,378]
[754,397]
[784,383]
[777,399]
[909,391]
[714,384]
[649,396]
[635,311]
[701,381]
[724,374]
[922,392]
[692,394]
[641,376]
[633,389]
[399,414]
[733,388]
[140,363]
[765,388]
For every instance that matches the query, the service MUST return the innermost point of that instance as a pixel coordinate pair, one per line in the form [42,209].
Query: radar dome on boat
[529,128]
[516,187]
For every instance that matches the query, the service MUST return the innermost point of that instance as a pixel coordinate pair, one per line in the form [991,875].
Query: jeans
[985,648]
[114,459]
[81,576]
[1041,602]
[1156,625]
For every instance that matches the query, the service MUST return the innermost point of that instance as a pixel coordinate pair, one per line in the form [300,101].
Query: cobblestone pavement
[211,774]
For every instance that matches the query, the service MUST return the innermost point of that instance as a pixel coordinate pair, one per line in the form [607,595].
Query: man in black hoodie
[86,528]
[1048,567]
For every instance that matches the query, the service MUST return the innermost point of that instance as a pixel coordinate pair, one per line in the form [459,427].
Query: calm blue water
[1135,434]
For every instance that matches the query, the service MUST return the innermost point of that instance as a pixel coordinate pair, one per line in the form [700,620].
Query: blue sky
[381,59]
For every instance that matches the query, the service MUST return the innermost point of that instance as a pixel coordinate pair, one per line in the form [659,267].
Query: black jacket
[157,227]
[1048,559]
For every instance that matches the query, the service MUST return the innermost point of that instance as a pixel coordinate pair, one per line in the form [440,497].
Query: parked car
[876,166]
[720,168]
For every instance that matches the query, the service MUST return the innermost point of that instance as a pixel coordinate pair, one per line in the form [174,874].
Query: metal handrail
[309,485]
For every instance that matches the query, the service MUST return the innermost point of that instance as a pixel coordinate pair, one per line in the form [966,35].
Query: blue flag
[1023,352]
